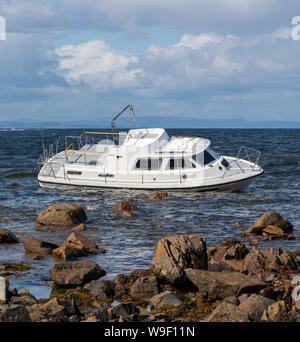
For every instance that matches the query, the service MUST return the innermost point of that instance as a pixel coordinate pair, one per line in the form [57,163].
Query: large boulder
[36,246]
[62,215]
[6,236]
[175,253]
[224,284]
[270,223]
[75,273]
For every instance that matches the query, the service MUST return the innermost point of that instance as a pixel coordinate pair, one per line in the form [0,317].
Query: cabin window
[203,158]
[180,163]
[148,164]
[208,158]
[78,173]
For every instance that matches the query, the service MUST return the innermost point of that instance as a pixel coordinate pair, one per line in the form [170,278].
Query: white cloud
[194,62]
[97,65]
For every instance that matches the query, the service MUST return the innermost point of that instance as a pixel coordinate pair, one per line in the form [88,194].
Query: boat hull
[236,185]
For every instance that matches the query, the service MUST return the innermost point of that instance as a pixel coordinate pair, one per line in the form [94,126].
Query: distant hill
[152,121]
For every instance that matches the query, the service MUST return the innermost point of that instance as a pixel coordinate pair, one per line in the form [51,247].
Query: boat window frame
[148,161]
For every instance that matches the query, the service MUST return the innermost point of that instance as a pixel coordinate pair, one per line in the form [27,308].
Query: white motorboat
[145,159]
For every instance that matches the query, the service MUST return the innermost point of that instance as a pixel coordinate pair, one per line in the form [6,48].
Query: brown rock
[273,230]
[255,305]
[81,243]
[237,224]
[270,218]
[75,273]
[254,262]
[158,195]
[62,215]
[276,312]
[6,236]
[230,250]
[224,284]
[68,252]
[36,246]
[175,253]
[124,205]
[78,228]
[125,214]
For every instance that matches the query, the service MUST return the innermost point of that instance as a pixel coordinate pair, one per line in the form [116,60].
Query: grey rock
[74,273]
[224,284]
[166,298]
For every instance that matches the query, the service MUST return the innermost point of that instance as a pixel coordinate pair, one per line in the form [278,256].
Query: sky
[68,60]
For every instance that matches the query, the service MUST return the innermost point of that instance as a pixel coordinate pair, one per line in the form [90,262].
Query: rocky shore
[185,281]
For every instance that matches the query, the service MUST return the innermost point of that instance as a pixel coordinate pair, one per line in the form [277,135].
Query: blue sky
[77,59]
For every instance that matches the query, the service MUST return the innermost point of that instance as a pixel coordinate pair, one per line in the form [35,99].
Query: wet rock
[175,253]
[158,195]
[67,253]
[272,230]
[75,273]
[227,312]
[15,267]
[255,305]
[124,205]
[125,214]
[269,219]
[99,289]
[224,284]
[144,288]
[166,298]
[37,257]
[79,228]
[14,313]
[276,312]
[82,245]
[6,236]
[62,215]
[121,310]
[36,246]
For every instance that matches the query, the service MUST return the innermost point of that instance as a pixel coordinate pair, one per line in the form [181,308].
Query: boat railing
[245,153]
[73,145]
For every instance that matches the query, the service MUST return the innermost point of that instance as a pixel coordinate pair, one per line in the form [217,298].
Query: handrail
[68,147]
[124,133]
[86,152]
